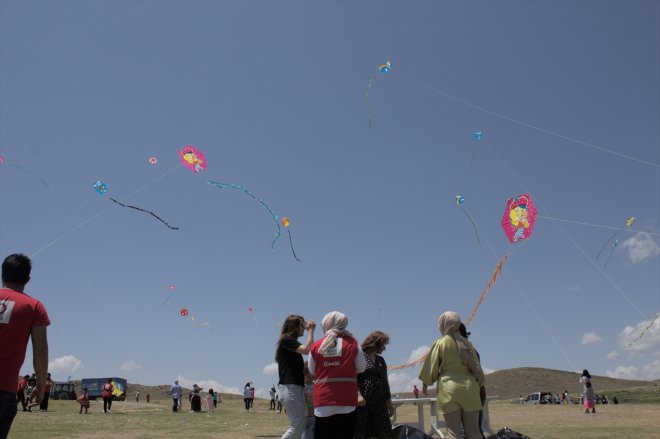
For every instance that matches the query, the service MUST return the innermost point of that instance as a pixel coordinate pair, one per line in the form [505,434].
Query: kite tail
[30,173]
[641,334]
[606,242]
[146,211]
[491,282]
[242,188]
[366,97]
[292,249]
[420,360]
[476,231]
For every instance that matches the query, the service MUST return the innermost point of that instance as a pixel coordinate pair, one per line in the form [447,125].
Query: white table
[436,425]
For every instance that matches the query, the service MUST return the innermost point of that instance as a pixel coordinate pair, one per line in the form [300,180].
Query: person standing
[106,393]
[214,398]
[334,361]
[251,395]
[20,392]
[43,407]
[373,419]
[21,318]
[290,365]
[175,391]
[415,392]
[84,401]
[137,396]
[148,398]
[588,394]
[246,396]
[272,398]
[453,362]
[196,399]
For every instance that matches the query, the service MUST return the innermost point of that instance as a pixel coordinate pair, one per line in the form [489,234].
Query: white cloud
[487,370]
[417,353]
[651,370]
[590,338]
[403,382]
[649,342]
[641,247]
[208,384]
[64,366]
[130,365]
[624,372]
[613,355]
[270,369]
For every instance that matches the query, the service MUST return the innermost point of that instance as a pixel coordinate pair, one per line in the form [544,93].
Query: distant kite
[242,188]
[184,313]
[145,211]
[192,158]
[519,218]
[477,136]
[172,288]
[101,188]
[646,328]
[383,68]
[460,200]
[629,222]
[2,162]
[285,223]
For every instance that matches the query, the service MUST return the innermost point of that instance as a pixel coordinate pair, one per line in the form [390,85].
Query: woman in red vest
[335,360]
[106,393]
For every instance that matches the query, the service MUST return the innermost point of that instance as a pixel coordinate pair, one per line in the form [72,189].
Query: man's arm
[39,361]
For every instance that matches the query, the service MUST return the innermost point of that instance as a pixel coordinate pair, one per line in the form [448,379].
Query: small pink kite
[153,160]
[519,218]
[192,158]
[183,312]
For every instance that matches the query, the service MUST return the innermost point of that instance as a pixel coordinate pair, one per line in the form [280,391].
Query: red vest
[336,377]
[107,389]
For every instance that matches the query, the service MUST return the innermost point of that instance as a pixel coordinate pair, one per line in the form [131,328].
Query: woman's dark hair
[289,329]
[463,330]
[585,373]
[375,341]
[588,384]
[247,384]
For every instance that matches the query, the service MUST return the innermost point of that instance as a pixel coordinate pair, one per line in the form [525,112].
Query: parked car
[63,390]
[538,398]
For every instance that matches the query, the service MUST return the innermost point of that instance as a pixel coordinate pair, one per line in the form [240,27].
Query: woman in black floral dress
[373,419]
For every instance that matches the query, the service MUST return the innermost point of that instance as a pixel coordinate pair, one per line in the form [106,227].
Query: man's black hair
[16,269]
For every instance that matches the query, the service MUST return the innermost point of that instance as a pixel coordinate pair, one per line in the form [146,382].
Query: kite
[477,136]
[250,309]
[460,200]
[519,218]
[285,223]
[641,334]
[629,222]
[192,158]
[153,160]
[101,188]
[383,68]
[146,211]
[491,282]
[2,161]
[259,200]
[184,313]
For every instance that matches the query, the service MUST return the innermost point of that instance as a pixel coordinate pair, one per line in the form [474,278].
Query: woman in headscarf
[453,362]
[290,366]
[335,360]
[588,394]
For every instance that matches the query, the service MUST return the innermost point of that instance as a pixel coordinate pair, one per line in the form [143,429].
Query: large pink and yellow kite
[192,158]
[519,218]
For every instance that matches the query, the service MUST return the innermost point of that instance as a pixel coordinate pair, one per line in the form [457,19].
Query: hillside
[507,384]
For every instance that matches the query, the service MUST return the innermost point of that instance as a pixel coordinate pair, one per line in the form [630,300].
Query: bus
[94,386]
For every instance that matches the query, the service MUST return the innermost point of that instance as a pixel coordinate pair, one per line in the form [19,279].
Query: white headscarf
[334,324]
[448,323]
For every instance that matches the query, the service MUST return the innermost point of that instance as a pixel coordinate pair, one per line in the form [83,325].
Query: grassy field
[230,421]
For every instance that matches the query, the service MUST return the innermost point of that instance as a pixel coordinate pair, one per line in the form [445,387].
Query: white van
[538,398]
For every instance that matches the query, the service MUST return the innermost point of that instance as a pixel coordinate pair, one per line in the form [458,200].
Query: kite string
[519,122]
[621,229]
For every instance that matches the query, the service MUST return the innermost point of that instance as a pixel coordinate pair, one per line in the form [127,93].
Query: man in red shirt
[21,318]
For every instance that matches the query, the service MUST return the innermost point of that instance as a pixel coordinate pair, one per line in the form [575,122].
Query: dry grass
[230,421]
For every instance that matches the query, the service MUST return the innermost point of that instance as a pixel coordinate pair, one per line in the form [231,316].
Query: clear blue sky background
[273,94]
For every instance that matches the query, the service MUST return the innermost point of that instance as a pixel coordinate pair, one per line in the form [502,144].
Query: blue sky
[566,95]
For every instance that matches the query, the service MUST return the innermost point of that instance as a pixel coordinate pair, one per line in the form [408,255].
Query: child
[209,403]
[84,401]
[32,383]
